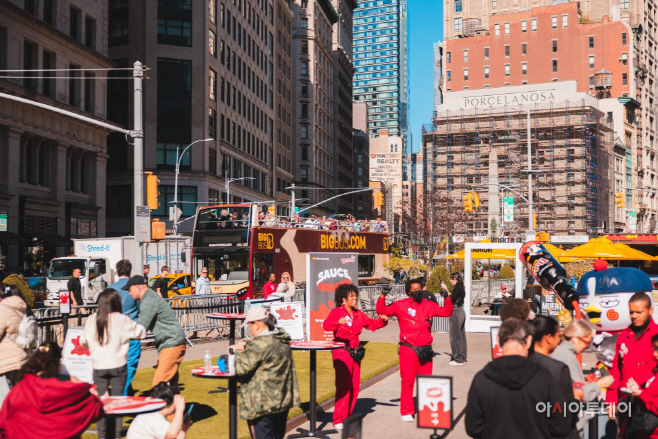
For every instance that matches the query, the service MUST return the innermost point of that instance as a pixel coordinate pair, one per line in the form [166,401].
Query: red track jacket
[415,319]
[349,332]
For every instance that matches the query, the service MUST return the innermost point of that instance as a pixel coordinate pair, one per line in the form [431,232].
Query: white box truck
[97,260]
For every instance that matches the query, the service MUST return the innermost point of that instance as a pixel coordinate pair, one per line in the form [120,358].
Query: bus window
[223,217]
[262,265]
[366,265]
[225,267]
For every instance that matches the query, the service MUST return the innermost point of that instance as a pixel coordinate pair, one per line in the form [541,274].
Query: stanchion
[64,310]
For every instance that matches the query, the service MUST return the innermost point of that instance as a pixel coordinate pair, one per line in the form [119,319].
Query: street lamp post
[178,159]
[228,182]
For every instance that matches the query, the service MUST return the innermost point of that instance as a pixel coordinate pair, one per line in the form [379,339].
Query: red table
[115,406]
[313,347]
[232,396]
[231,317]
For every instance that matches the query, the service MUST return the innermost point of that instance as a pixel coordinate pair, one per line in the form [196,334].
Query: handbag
[357,354]
[641,418]
[424,353]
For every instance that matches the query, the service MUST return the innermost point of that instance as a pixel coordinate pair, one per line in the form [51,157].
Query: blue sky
[425,22]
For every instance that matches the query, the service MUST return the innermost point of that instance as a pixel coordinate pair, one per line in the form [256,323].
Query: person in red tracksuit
[634,357]
[347,322]
[415,319]
[648,394]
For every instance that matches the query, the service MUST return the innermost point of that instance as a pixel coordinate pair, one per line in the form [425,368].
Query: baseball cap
[135,280]
[255,314]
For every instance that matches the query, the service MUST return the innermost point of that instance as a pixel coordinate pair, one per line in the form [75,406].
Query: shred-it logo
[328,280]
[348,260]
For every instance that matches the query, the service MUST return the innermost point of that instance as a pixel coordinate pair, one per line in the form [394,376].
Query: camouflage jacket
[267,373]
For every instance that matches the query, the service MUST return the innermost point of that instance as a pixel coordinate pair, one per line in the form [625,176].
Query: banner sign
[64,302]
[3,222]
[143,224]
[434,402]
[552,306]
[289,318]
[324,272]
[632,221]
[569,239]
[496,350]
[76,358]
[508,209]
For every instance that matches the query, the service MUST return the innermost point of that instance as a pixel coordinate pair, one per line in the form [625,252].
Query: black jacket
[458,294]
[502,401]
[560,372]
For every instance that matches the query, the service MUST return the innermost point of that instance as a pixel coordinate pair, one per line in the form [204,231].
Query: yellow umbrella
[603,248]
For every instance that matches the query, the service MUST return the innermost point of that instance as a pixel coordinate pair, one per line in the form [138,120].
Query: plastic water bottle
[207,362]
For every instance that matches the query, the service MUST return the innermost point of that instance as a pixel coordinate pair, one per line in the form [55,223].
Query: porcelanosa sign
[510,96]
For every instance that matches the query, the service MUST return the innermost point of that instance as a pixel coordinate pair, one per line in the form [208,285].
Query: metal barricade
[51,324]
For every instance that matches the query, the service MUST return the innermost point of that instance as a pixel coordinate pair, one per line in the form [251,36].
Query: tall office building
[437,75]
[380,60]
[313,133]
[211,76]
[470,18]
[52,166]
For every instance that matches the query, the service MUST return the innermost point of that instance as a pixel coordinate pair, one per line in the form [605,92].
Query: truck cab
[95,277]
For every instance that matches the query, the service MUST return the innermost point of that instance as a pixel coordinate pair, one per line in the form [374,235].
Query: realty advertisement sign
[289,318]
[434,402]
[76,358]
[324,272]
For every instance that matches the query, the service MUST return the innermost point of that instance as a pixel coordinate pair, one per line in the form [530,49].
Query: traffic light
[534,221]
[152,193]
[468,202]
[379,198]
[158,230]
[476,201]
[619,197]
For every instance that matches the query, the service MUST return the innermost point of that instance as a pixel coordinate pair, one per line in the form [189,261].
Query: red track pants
[410,366]
[348,376]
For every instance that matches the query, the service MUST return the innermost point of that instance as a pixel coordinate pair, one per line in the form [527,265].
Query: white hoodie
[114,353]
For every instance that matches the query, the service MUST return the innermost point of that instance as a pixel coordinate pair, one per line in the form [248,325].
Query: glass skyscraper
[380,61]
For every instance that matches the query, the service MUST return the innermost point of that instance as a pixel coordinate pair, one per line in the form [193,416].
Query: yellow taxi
[179,284]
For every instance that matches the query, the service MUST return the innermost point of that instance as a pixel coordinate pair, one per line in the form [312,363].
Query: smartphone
[189,411]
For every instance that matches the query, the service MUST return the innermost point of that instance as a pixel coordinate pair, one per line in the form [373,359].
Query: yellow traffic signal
[152,193]
[468,202]
[379,198]
[158,230]
[619,197]
[534,220]
[476,201]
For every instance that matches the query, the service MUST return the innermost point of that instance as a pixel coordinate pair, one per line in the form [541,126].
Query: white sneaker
[338,426]
[456,363]
[407,418]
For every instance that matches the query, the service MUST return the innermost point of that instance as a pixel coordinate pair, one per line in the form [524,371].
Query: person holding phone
[285,289]
[155,425]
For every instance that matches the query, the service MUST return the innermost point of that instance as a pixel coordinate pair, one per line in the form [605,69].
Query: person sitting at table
[347,322]
[168,423]
[45,404]
[504,295]
[266,370]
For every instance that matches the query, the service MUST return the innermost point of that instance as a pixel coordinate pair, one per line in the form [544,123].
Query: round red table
[231,317]
[232,396]
[313,347]
[115,406]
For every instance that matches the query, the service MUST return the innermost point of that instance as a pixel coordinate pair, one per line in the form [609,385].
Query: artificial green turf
[214,408]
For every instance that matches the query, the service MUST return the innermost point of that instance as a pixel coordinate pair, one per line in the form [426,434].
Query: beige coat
[12,357]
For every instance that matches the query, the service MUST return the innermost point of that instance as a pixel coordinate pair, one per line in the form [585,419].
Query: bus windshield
[63,268]
[222,217]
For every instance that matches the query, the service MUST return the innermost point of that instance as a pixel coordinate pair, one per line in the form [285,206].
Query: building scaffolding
[571,149]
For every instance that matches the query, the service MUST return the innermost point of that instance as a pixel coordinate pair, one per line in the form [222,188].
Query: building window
[524,68]
[212,43]
[524,48]
[212,161]
[554,22]
[458,23]
[554,68]
[304,47]
[554,46]
[187,196]
[565,20]
[212,85]
[497,29]
[304,68]
[534,25]
[591,61]
[303,23]
[74,86]
[174,32]
[624,58]
[506,51]
[591,81]
[305,89]
[465,55]
[458,6]
[90,32]
[304,132]
[212,123]
[449,75]
[74,23]
[486,53]
[212,10]
[90,92]
[465,74]
[486,72]
[623,39]
[305,111]
[304,152]
[304,174]
[624,79]
[506,69]
[167,154]
[174,104]
[494,3]
[524,26]
[624,4]
[506,28]
[448,57]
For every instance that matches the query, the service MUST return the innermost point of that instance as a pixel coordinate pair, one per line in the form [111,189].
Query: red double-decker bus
[239,250]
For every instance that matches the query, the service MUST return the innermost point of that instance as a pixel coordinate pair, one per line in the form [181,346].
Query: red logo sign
[287,313]
[78,349]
